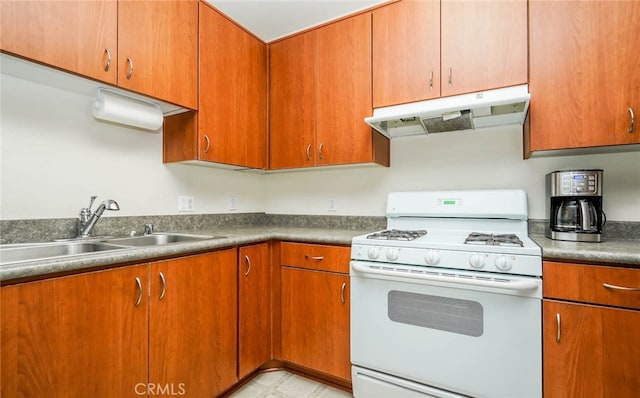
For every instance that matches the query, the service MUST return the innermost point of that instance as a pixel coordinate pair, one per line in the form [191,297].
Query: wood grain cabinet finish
[149,47]
[292,102]
[158,49]
[77,36]
[193,323]
[254,308]
[406,52]
[315,313]
[230,126]
[589,346]
[427,49]
[170,325]
[321,82]
[76,336]
[584,76]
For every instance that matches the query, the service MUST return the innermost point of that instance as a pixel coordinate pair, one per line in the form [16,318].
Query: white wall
[55,155]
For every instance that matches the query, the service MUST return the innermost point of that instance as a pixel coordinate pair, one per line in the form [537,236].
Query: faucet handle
[93,198]
[148,229]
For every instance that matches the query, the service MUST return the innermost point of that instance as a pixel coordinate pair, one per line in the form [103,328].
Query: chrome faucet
[88,220]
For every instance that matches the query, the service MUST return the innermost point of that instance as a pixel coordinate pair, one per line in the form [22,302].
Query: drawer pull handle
[344,285]
[627,289]
[317,258]
[139,284]
[164,286]
[558,324]
[633,121]
[248,260]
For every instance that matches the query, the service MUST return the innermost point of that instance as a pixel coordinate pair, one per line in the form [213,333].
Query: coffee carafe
[574,205]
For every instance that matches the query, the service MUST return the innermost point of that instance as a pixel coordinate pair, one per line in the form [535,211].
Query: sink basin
[160,239]
[18,253]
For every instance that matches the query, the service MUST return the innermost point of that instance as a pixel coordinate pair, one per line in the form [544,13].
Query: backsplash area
[43,230]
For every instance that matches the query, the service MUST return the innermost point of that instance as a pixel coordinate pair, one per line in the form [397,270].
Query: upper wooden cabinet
[292,102]
[406,52]
[78,36]
[149,47]
[321,93]
[583,73]
[158,49]
[427,49]
[231,125]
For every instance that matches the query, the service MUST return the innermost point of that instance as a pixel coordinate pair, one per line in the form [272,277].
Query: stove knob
[503,263]
[432,257]
[476,261]
[392,254]
[373,252]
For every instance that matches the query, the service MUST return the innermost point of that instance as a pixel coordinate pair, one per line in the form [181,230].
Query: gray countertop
[624,252]
[233,237]
[615,252]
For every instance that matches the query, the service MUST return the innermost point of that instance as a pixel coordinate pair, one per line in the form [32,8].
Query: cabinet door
[78,36]
[158,49]
[484,45]
[583,73]
[315,320]
[406,52]
[344,91]
[232,113]
[193,323]
[254,308]
[597,352]
[292,102]
[76,336]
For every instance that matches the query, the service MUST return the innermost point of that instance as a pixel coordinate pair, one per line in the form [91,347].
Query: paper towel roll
[117,108]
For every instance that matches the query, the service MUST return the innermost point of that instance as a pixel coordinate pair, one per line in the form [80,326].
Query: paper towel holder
[119,108]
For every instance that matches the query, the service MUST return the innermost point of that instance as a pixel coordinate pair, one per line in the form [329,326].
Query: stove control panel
[453,259]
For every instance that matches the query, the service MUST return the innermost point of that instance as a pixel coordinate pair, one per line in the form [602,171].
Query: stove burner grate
[478,238]
[397,234]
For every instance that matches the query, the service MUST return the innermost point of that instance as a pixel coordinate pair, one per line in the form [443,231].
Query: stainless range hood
[497,107]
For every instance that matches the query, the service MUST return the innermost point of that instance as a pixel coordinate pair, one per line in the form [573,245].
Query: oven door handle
[517,285]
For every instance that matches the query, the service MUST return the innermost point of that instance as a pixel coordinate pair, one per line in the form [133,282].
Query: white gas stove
[452,287]
[468,230]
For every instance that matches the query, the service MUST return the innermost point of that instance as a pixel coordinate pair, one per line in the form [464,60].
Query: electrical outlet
[232,203]
[332,204]
[185,203]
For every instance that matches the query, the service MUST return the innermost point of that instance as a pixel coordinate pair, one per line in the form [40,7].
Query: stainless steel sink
[43,251]
[160,239]
[19,253]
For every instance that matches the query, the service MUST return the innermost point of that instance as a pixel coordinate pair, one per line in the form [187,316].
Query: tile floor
[282,384]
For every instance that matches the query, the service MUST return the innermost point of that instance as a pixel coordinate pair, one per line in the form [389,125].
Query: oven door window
[436,312]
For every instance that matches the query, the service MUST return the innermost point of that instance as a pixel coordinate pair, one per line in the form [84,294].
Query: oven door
[448,330]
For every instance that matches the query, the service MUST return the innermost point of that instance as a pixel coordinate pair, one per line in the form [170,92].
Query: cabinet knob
[206,138]
[248,261]
[320,150]
[139,284]
[163,281]
[309,152]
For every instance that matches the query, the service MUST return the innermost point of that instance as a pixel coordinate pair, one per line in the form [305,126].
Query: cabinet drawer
[592,284]
[319,257]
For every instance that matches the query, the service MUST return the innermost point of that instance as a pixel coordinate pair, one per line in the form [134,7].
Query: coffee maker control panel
[578,182]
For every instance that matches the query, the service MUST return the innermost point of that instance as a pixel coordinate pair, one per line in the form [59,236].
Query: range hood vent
[498,107]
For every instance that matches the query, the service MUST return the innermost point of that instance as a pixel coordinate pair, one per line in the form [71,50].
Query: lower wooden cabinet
[193,324]
[164,328]
[76,336]
[590,348]
[315,309]
[254,308]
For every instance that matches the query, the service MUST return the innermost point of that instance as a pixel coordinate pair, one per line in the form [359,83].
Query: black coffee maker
[574,205]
